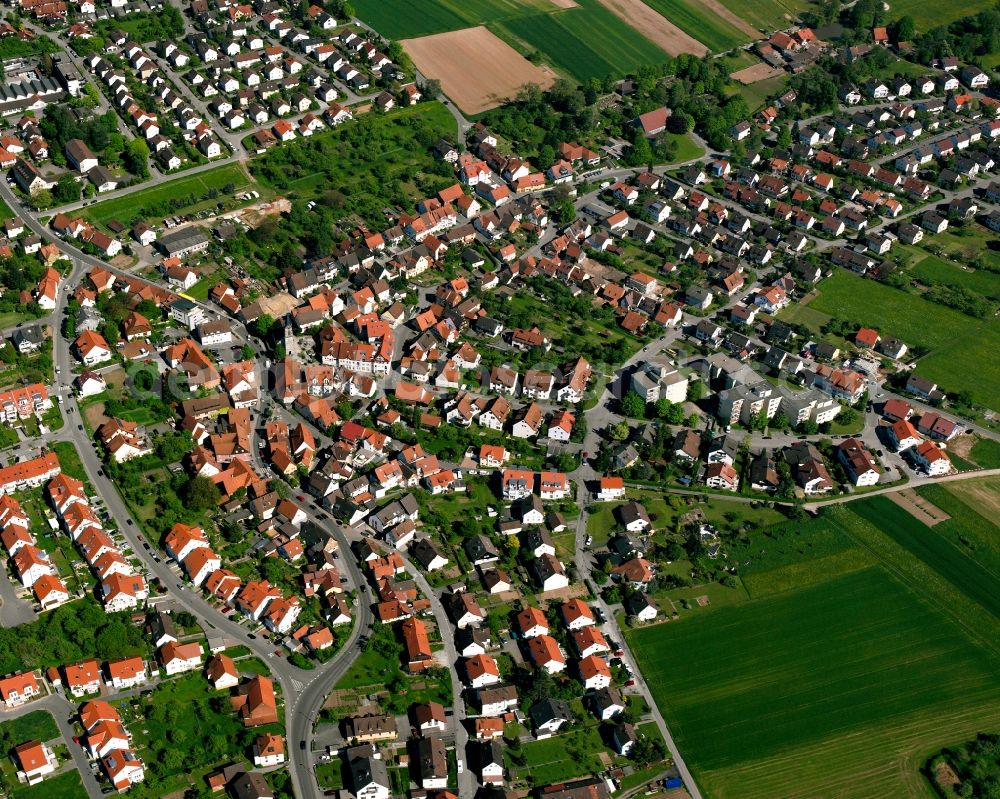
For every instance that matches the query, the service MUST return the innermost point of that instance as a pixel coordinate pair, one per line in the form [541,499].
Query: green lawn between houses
[855,660]
[67,785]
[956,342]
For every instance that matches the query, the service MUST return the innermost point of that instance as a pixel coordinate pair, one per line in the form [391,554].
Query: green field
[864,648]
[585,42]
[152,203]
[956,342]
[932,271]
[768,15]
[930,15]
[714,32]
[969,528]
[404,19]
[986,453]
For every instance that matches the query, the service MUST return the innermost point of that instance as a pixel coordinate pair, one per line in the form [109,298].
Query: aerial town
[562,399]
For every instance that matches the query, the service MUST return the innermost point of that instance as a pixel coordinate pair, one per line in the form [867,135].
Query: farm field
[404,19]
[712,30]
[767,15]
[971,505]
[935,550]
[152,203]
[855,657]
[844,683]
[585,42]
[477,70]
[586,39]
[656,27]
[956,342]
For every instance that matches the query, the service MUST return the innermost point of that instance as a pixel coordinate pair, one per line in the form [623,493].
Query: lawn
[814,692]
[155,203]
[664,510]
[38,725]
[702,24]
[931,15]
[585,42]
[5,213]
[687,148]
[956,342]
[768,15]
[69,459]
[182,729]
[63,786]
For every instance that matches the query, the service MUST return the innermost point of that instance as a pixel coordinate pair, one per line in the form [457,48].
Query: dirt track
[919,508]
[659,30]
[477,70]
[755,74]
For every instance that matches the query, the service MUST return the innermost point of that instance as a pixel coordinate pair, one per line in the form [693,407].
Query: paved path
[13,609]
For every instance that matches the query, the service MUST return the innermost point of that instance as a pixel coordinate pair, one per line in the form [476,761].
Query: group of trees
[69,633]
[693,88]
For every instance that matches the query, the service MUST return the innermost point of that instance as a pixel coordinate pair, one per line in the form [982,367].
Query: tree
[619,432]
[67,190]
[633,404]
[201,494]
[905,28]
[431,89]
[264,324]
[641,153]
[136,157]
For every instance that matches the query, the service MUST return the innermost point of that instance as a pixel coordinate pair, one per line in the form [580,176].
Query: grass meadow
[868,643]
